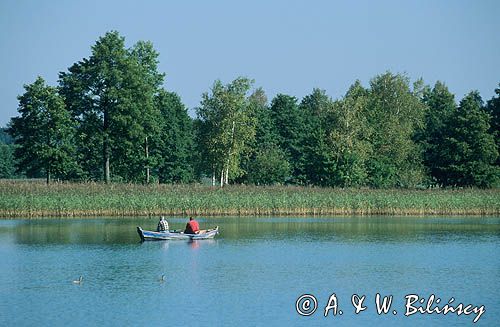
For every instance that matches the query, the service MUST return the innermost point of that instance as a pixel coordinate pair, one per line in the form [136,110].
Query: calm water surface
[250,275]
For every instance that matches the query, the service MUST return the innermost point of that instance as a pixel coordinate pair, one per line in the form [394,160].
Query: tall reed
[23,199]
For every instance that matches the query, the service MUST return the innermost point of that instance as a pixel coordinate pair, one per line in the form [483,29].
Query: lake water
[251,275]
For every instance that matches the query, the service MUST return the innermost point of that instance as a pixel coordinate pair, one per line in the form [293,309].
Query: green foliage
[493,109]
[147,58]
[5,137]
[348,137]
[269,166]
[289,124]
[43,134]
[226,127]
[266,133]
[441,106]
[395,114]
[110,119]
[176,147]
[111,96]
[91,89]
[264,163]
[317,160]
[7,162]
[468,151]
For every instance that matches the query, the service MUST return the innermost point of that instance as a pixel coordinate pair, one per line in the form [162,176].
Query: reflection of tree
[115,231]
[351,228]
[76,232]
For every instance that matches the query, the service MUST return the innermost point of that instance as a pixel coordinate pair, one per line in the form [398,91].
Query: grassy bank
[22,199]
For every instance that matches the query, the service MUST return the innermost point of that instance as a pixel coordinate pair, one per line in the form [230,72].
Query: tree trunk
[226,180]
[48,176]
[147,160]
[222,177]
[106,168]
[106,149]
[213,176]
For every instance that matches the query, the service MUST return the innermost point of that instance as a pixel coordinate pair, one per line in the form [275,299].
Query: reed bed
[30,200]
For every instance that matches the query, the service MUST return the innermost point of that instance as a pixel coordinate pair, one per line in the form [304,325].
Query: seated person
[192,227]
[162,225]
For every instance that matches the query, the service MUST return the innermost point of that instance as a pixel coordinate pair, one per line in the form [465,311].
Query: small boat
[147,235]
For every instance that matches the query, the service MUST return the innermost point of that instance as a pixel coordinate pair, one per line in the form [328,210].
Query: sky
[286,46]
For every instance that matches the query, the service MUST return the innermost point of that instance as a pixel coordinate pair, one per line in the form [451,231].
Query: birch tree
[348,137]
[226,126]
[394,114]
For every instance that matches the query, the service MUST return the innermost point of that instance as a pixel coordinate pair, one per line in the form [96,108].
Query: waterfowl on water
[162,279]
[78,281]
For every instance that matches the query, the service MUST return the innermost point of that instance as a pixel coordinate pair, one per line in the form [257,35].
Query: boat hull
[146,235]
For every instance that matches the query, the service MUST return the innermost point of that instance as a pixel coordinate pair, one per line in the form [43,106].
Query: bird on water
[78,281]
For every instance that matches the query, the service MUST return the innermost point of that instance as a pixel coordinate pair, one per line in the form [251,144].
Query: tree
[318,165]
[265,131]
[43,134]
[468,151]
[226,126]
[147,57]
[394,114]
[269,166]
[140,134]
[265,163]
[92,92]
[150,81]
[111,96]
[176,147]
[441,105]
[7,162]
[493,108]
[288,122]
[349,137]
[5,138]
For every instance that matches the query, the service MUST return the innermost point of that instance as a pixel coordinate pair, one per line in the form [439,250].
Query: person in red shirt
[192,227]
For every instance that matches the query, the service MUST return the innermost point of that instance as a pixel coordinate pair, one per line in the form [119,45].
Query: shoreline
[20,199]
[83,215]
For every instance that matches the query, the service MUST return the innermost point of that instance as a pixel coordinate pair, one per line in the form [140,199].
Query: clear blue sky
[286,46]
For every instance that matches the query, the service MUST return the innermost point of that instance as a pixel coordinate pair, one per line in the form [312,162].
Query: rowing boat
[147,235]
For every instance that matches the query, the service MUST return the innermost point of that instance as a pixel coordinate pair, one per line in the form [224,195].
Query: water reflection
[352,229]
[175,244]
[250,274]
[194,244]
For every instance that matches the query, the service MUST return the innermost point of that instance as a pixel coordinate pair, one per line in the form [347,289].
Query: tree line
[110,119]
